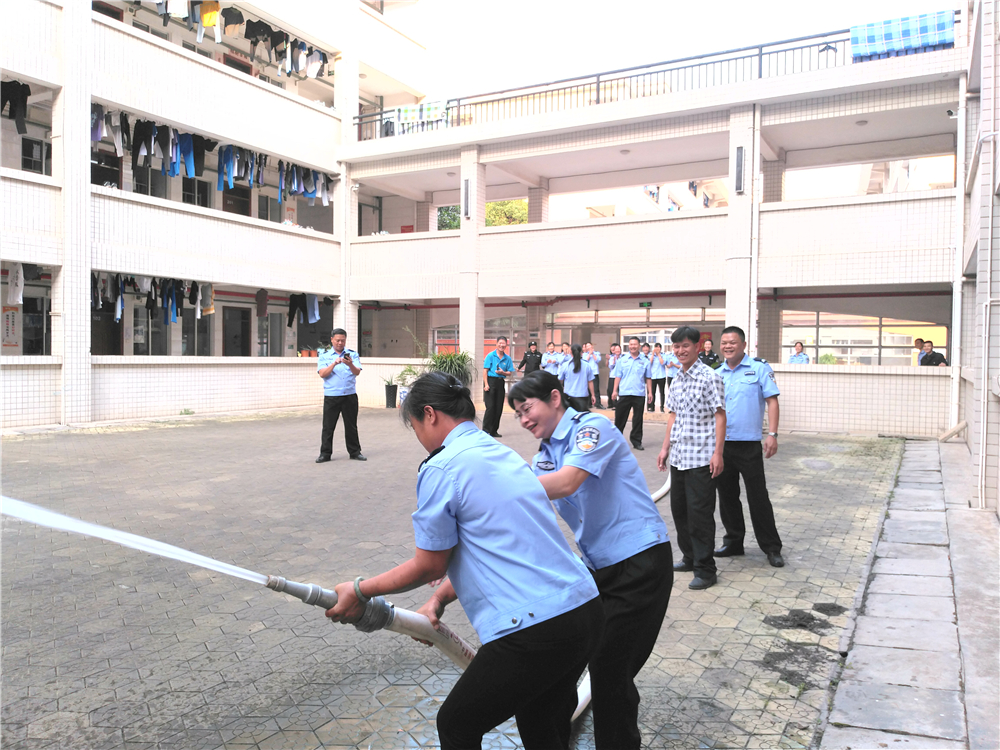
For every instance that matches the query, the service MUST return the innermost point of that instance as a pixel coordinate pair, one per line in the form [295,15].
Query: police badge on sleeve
[587,438]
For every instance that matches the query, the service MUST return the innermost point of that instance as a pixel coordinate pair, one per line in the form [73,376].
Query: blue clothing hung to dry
[903,36]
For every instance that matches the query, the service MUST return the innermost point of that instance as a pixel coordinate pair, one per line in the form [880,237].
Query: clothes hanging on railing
[17,94]
[296,304]
[15,284]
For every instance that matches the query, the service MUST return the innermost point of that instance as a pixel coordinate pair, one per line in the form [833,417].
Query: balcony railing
[799,55]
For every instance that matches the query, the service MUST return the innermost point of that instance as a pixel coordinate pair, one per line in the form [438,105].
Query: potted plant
[406,376]
[390,392]
[459,364]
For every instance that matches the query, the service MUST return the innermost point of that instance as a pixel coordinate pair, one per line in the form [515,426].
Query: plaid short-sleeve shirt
[694,397]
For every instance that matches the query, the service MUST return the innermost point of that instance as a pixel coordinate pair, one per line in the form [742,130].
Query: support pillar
[472,311]
[71,146]
[773,173]
[346,92]
[426,219]
[741,288]
[538,203]
[769,330]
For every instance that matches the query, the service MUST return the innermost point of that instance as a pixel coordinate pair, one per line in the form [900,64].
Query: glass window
[106,169]
[195,334]
[263,329]
[140,330]
[268,209]
[150,336]
[798,318]
[36,338]
[32,159]
[236,331]
[195,192]
[236,200]
[276,336]
[446,339]
[873,178]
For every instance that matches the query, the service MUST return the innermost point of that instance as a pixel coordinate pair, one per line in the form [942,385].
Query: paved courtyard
[106,647]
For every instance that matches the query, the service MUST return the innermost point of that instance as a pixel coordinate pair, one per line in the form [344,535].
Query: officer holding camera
[339,367]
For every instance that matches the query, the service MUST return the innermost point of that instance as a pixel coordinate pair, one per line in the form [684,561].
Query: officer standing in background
[749,385]
[593,357]
[707,356]
[614,352]
[658,374]
[532,359]
[551,359]
[497,367]
[339,367]
[633,390]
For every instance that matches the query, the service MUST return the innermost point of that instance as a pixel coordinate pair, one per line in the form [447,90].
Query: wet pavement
[106,647]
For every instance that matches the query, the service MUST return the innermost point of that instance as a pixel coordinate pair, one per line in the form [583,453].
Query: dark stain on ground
[799,618]
[799,663]
[829,609]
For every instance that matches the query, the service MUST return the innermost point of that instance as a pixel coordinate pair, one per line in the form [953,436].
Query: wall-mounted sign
[645,304]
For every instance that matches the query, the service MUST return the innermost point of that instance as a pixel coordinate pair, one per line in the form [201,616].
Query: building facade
[797,189]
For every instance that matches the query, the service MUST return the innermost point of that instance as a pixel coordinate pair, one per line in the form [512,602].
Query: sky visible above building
[478,46]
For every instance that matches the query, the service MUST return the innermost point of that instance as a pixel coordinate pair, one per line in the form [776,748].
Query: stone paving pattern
[106,647]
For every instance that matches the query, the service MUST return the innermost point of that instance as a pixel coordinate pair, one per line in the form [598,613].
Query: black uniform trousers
[531,675]
[333,407]
[635,593]
[746,458]
[659,384]
[692,504]
[611,389]
[580,403]
[637,404]
[493,399]
[597,392]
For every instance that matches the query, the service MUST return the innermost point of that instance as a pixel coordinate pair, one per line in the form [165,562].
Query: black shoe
[497,435]
[703,583]
[322,459]
[729,550]
[661,410]
[683,566]
[650,409]
[639,447]
[359,457]
[776,560]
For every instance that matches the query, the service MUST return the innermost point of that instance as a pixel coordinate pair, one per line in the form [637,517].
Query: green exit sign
[645,304]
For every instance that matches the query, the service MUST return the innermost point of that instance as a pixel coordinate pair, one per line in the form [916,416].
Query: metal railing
[799,55]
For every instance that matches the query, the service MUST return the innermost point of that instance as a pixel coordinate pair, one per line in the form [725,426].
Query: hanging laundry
[96,121]
[119,294]
[126,132]
[143,138]
[312,308]
[201,145]
[232,19]
[315,61]
[193,293]
[95,291]
[32,272]
[256,32]
[196,299]
[113,128]
[261,299]
[177,8]
[15,284]
[207,292]
[209,19]
[296,304]
[151,297]
[143,284]
[17,94]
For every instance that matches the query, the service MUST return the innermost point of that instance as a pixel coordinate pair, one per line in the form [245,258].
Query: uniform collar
[459,430]
[745,361]
[637,356]
[565,424]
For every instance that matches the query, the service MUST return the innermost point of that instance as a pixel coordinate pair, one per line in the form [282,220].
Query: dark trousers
[637,405]
[530,675]
[597,392]
[493,398]
[692,504]
[611,389]
[333,407]
[580,403]
[659,383]
[635,593]
[746,458]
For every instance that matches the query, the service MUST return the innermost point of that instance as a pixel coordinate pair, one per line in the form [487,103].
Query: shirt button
[513,620]
[531,614]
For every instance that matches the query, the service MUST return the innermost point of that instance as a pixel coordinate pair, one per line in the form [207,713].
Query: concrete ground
[106,647]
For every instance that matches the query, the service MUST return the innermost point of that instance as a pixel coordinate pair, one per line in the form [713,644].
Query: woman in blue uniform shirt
[483,518]
[578,380]
[586,467]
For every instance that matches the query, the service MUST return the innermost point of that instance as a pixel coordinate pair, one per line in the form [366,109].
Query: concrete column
[422,329]
[769,330]
[538,203]
[346,92]
[426,220]
[535,321]
[740,289]
[71,142]
[472,312]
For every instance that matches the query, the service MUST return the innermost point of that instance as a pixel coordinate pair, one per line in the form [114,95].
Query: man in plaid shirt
[696,434]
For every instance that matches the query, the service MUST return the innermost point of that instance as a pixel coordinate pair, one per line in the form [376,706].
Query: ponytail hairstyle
[576,349]
[442,392]
[538,384]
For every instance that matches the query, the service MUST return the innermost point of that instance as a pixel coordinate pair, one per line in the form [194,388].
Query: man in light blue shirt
[918,344]
[658,374]
[673,366]
[633,390]
[593,356]
[551,359]
[749,385]
[339,367]
[497,366]
[799,357]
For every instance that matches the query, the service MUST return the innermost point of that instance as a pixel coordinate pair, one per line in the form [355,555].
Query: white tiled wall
[630,255]
[861,102]
[135,69]
[910,401]
[142,235]
[32,49]
[891,239]
[31,390]
[31,218]
[419,266]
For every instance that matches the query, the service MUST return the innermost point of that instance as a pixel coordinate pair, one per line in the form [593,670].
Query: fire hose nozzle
[378,612]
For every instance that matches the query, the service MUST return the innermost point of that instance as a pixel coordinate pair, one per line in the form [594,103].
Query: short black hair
[538,384]
[928,341]
[657,344]
[503,339]
[686,333]
[737,330]
[799,343]
[338,332]
[441,391]
[633,338]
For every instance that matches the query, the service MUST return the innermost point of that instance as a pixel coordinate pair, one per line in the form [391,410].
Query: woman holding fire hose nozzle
[586,467]
[484,519]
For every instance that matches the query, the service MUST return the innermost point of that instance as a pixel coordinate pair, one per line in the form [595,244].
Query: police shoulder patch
[771,375]
[587,438]
[545,465]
